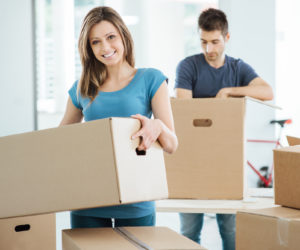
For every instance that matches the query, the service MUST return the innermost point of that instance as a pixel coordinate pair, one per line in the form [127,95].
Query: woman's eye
[95,42]
[111,37]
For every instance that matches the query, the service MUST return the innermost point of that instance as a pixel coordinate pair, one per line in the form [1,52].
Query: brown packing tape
[283,231]
[132,239]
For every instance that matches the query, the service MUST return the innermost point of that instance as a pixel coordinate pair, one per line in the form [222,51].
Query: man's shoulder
[239,66]
[234,61]
[195,60]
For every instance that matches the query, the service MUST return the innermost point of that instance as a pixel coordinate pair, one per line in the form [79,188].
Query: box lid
[276,212]
[127,238]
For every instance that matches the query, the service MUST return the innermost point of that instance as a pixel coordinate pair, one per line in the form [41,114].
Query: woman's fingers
[138,134]
[139,117]
[148,132]
[144,145]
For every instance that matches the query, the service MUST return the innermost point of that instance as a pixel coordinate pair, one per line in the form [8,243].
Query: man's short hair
[213,19]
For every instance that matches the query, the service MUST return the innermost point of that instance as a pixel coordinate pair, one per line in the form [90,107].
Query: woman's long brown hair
[94,72]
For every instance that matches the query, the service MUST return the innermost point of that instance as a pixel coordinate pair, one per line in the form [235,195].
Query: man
[214,74]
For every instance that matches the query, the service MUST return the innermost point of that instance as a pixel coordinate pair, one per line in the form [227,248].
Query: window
[162,38]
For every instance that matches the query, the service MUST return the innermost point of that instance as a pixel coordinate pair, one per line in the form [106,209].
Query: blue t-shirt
[194,73]
[135,98]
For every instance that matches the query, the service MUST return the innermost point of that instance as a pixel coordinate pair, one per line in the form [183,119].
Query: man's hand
[150,131]
[257,88]
[224,93]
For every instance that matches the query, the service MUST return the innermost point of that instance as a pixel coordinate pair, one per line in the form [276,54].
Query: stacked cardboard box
[275,228]
[127,238]
[209,162]
[287,176]
[28,233]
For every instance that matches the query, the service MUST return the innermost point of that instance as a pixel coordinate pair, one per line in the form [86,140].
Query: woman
[110,86]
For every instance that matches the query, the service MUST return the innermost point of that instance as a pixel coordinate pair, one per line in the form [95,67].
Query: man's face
[213,44]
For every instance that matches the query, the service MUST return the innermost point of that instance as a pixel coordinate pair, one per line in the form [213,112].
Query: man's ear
[227,36]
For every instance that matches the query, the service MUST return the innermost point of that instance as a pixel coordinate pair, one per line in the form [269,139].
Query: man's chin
[211,58]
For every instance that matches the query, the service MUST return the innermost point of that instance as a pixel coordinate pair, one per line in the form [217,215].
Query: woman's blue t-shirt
[133,99]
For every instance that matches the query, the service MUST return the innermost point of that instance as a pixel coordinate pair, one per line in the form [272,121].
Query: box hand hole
[21,228]
[202,122]
[140,152]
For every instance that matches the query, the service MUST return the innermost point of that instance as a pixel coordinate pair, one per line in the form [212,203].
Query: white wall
[16,67]
[163,36]
[252,29]
[253,39]
[287,63]
[157,34]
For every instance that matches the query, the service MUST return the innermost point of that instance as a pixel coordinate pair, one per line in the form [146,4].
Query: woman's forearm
[167,138]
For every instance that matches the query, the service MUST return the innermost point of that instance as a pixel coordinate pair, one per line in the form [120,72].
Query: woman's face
[106,43]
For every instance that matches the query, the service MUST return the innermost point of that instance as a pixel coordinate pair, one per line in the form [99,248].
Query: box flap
[293,140]
[145,178]
[267,103]
[291,149]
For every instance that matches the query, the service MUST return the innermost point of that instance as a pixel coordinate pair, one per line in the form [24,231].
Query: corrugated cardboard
[209,161]
[293,141]
[78,166]
[127,238]
[28,233]
[275,228]
[287,176]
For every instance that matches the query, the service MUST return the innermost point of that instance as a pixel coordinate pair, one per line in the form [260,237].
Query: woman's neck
[118,72]
[118,77]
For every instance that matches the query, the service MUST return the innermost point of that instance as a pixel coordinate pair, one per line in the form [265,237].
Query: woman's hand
[149,132]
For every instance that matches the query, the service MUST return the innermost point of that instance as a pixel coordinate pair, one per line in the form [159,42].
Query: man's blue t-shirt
[133,99]
[194,73]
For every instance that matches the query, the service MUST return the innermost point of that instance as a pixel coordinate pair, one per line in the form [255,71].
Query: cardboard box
[126,238]
[287,176]
[209,162]
[78,166]
[293,141]
[28,233]
[275,228]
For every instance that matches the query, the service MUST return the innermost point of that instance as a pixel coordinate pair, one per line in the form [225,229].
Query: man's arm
[183,93]
[185,73]
[257,88]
